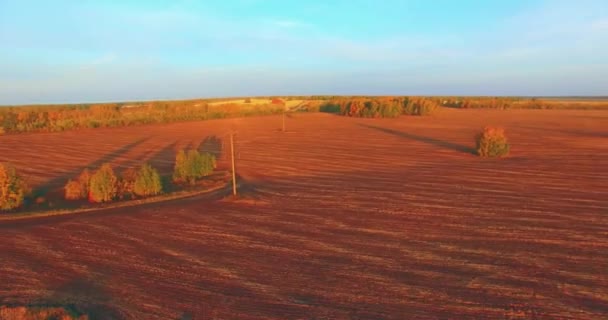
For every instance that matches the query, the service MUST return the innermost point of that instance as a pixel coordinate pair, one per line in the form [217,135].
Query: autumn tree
[192,165]
[492,142]
[147,182]
[103,186]
[126,183]
[13,188]
[79,188]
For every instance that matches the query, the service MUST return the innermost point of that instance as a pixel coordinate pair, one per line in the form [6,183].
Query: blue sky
[81,51]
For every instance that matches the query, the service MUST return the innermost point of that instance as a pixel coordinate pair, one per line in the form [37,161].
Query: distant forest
[53,118]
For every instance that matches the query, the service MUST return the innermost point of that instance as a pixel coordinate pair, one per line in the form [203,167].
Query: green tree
[104,185]
[180,169]
[147,182]
[192,165]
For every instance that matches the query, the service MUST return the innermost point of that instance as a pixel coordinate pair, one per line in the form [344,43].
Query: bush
[79,188]
[192,166]
[492,142]
[147,182]
[103,186]
[13,188]
[126,185]
[72,190]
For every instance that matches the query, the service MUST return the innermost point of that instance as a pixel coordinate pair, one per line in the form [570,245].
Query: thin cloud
[289,23]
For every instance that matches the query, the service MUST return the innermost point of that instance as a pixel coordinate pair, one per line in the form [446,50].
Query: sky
[86,51]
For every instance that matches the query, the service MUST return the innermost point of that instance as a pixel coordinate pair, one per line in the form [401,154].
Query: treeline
[382,107]
[390,107]
[103,184]
[521,103]
[54,118]
[51,118]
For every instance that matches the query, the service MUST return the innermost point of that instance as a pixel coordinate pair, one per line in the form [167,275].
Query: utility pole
[233,166]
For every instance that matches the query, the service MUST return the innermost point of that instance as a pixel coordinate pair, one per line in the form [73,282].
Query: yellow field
[290,104]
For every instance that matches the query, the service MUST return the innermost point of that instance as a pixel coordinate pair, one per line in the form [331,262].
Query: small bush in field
[12,188]
[192,166]
[492,142]
[103,186]
[79,188]
[147,182]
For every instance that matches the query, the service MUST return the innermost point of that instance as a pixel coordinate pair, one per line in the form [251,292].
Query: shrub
[248,100]
[126,185]
[103,186]
[192,166]
[492,142]
[72,190]
[147,182]
[12,188]
[79,188]
[40,200]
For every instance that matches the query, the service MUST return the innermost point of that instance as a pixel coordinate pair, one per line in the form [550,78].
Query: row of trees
[46,118]
[383,107]
[390,107]
[67,117]
[426,105]
[104,185]
[520,103]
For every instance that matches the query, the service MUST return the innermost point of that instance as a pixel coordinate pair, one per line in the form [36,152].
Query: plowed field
[343,218]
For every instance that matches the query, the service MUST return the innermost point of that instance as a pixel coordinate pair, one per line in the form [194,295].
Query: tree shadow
[163,159]
[428,140]
[211,144]
[44,189]
[81,296]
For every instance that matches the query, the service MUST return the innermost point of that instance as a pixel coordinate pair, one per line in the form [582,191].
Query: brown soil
[342,219]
